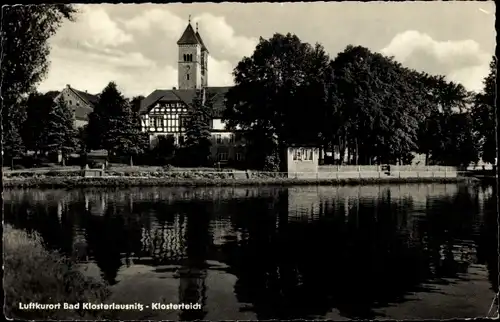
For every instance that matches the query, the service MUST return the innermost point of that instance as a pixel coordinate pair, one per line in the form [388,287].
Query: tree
[196,147]
[135,102]
[25,33]
[276,91]
[373,106]
[13,143]
[484,115]
[113,125]
[60,135]
[82,148]
[445,133]
[38,107]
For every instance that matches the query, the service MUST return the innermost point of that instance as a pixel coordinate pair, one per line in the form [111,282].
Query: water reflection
[295,253]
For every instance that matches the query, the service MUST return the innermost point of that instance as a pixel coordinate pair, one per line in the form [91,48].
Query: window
[70,102]
[172,120]
[187,76]
[181,139]
[239,156]
[222,156]
[297,155]
[231,138]
[218,138]
[303,154]
[157,122]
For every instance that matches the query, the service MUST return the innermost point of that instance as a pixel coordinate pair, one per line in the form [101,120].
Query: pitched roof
[89,98]
[189,37]
[203,47]
[186,96]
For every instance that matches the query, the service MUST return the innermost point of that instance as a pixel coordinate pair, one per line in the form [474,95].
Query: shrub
[272,163]
[167,167]
[33,274]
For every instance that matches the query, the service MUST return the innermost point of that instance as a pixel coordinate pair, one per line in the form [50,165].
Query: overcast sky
[135,45]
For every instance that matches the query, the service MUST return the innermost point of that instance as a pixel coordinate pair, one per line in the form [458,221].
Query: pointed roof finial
[189,18]
[196,27]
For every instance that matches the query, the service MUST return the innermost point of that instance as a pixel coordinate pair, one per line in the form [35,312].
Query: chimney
[174,88]
[67,85]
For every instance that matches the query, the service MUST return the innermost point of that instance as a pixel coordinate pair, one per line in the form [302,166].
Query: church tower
[193,60]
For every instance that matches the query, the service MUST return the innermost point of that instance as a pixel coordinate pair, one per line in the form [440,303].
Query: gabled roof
[189,37]
[89,98]
[186,96]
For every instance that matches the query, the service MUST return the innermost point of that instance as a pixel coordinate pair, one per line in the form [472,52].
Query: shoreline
[82,182]
[28,264]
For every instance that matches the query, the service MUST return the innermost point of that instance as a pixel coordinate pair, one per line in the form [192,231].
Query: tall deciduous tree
[445,132]
[196,147]
[374,109]
[276,91]
[485,117]
[60,134]
[24,37]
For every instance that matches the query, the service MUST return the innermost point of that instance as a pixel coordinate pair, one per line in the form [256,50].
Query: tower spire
[196,27]
[189,19]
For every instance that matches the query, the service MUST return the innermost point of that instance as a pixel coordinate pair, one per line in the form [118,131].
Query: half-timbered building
[164,111]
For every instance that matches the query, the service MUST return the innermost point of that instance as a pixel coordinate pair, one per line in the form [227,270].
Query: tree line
[365,104]
[362,103]
[45,126]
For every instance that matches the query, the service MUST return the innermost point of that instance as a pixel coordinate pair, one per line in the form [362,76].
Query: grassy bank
[77,182]
[33,274]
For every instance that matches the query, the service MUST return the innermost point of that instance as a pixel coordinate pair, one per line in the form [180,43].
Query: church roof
[189,37]
[203,47]
[186,96]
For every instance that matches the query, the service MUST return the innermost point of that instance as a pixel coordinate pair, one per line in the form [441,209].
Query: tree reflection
[355,254]
[301,270]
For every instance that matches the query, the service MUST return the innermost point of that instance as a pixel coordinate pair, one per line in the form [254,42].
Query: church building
[164,111]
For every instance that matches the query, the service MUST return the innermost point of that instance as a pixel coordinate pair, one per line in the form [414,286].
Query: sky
[134,45]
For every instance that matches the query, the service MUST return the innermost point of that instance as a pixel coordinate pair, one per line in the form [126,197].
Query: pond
[365,252]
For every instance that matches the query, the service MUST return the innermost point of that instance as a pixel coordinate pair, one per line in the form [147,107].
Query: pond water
[393,251]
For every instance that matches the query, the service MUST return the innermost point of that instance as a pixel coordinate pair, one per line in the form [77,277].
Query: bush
[33,274]
[173,179]
[272,163]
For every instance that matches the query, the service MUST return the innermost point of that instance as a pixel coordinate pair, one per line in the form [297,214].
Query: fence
[392,168]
